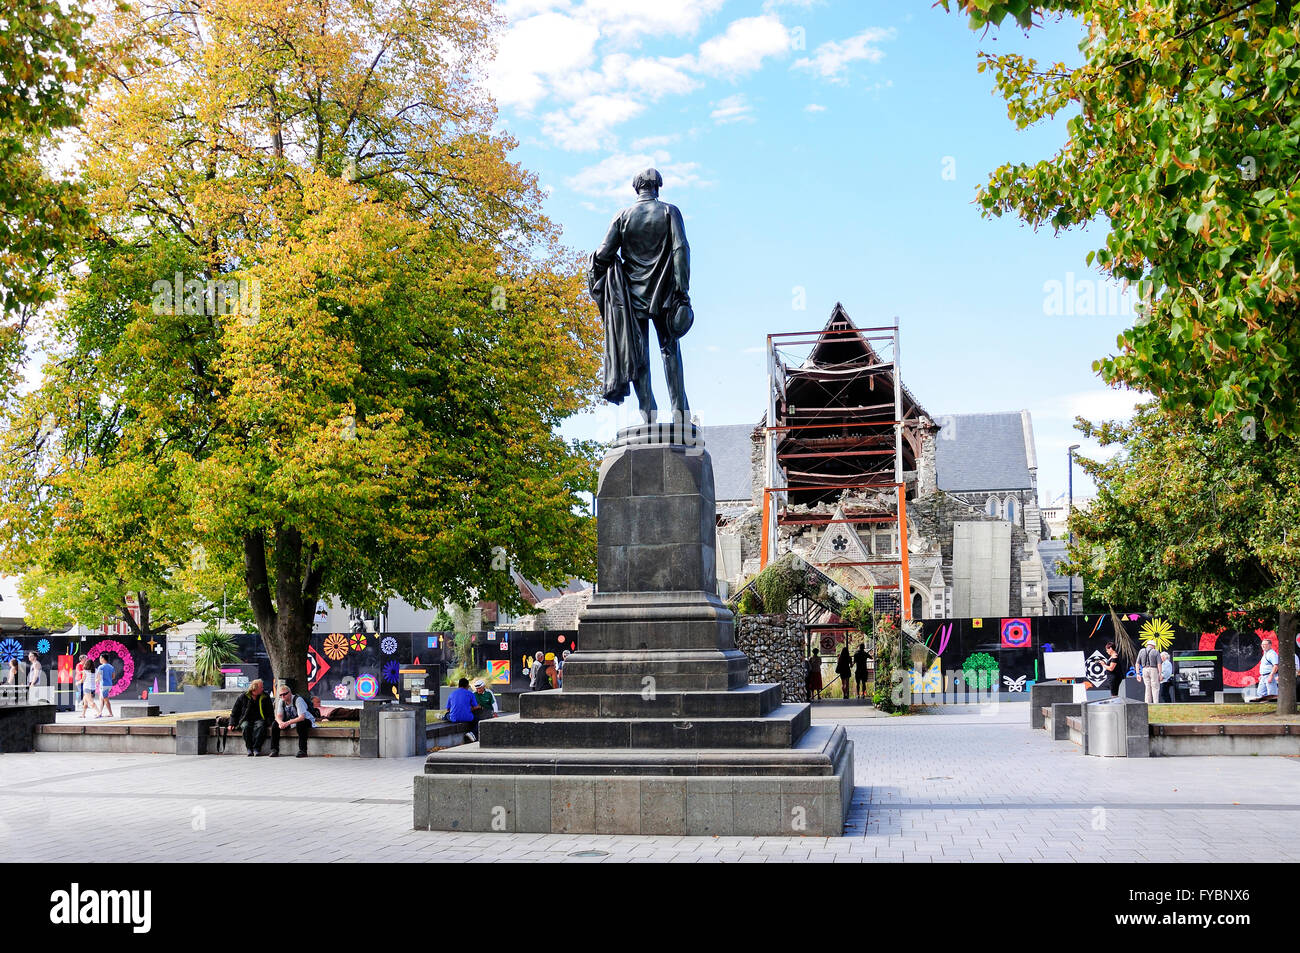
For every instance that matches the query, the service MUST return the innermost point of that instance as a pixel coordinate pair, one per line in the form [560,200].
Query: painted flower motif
[336,646]
[1158,631]
[123,679]
[43,646]
[10,649]
[340,691]
[367,687]
[358,642]
[390,672]
[389,645]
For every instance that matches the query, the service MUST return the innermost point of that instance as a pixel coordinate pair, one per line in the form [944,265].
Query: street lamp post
[1069,512]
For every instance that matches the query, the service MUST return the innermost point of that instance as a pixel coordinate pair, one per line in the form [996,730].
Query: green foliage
[749,603]
[980,672]
[212,651]
[47,66]
[892,666]
[442,622]
[375,416]
[1192,521]
[778,583]
[1181,140]
[860,614]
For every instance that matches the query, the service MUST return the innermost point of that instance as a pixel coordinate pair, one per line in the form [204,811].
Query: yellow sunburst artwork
[1158,631]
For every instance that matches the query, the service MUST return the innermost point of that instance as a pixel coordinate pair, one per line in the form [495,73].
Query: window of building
[1011,509]
[991,507]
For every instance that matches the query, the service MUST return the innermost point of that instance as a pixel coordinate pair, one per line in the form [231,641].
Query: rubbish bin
[397,734]
[1107,729]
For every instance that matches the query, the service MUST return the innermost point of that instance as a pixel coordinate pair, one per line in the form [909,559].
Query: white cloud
[626,20]
[589,123]
[653,142]
[733,109]
[814,108]
[534,53]
[1104,403]
[743,46]
[611,177]
[830,60]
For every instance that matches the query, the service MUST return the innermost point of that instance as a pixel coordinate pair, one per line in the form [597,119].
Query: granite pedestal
[657,729]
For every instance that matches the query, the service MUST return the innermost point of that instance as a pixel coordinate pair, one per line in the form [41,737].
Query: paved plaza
[934,787]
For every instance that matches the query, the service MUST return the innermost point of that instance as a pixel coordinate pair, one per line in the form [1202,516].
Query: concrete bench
[447,734]
[138,710]
[1057,720]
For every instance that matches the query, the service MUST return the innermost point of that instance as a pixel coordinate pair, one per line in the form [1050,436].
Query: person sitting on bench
[463,707]
[252,715]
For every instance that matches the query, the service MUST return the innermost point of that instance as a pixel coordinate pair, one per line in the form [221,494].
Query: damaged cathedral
[936,515]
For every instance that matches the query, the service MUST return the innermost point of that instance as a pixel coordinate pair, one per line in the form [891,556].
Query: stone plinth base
[804,791]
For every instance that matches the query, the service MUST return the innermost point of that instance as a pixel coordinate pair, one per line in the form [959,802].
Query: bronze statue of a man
[648,284]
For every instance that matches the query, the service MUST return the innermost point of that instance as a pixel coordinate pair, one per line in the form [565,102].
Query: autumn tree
[1196,523]
[46,68]
[1181,142]
[325,333]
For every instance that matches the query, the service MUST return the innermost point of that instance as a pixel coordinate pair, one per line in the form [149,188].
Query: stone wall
[775,646]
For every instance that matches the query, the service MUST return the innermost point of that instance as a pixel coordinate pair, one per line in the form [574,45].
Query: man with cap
[1148,672]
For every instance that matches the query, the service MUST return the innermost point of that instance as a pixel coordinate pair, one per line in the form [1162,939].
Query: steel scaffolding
[842,441]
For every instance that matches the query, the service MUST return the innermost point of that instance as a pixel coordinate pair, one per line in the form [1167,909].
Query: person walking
[88,684]
[11,675]
[813,675]
[104,676]
[1148,672]
[291,709]
[860,661]
[537,674]
[1267,671]
[1166,678]
[844,669]
[34,676]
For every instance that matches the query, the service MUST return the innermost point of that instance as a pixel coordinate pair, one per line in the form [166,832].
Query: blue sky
[807,144]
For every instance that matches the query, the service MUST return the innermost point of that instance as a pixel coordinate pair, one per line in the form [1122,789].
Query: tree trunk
[1286,626]
[285,614]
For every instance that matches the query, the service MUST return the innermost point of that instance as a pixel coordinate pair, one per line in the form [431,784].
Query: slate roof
[1052,553]
[981,452]
[729,447]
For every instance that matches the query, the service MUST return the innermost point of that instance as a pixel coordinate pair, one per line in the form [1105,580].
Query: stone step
[781,728]
[751,701]
[815,754]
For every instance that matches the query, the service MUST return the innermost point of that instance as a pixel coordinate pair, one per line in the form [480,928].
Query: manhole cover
[590,853]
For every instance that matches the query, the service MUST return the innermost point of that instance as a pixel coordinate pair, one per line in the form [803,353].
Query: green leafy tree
[323,332]
[1197,524]
[213,651]
[1181,140]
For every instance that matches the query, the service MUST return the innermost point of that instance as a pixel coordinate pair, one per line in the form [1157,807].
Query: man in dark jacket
[253,715]
[657,267]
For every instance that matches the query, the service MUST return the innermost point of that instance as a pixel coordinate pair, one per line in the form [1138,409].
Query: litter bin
[397,733]
[1107,729]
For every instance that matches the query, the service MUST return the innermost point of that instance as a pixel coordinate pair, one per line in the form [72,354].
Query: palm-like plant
[213,651]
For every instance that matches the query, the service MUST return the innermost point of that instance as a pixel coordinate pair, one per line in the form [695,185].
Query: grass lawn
[1265,713]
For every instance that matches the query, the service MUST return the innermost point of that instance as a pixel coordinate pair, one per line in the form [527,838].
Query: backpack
[311,706]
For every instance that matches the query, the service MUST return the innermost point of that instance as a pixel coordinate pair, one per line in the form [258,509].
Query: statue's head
[648,181]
